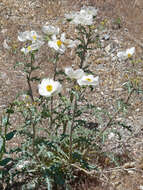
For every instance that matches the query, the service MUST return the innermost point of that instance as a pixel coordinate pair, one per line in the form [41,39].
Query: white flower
[36,41]
[34,46]
[50,30]
[49,87]
[88,80]
[74,74]
[23,36]
[89,10]
[123,55]
[28,35]
[60,44]
[57,44]
[83,18]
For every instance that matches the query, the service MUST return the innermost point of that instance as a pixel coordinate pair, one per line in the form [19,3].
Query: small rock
[108,48]
[131,172]
[4,31]
[118,89]
[129,165]
[111,135]
[126,30]
[5,44]
[106,36]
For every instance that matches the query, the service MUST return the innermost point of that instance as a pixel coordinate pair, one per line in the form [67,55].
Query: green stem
[54,78]
[72,127]
[5,132]
[29,86]
[32,98]
[29,78]
[51,113]
[86,43]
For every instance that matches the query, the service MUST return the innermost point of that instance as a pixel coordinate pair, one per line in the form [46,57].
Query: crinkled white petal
[85,80]
[62,49]
[56,87]
[34,46]
[121,55]
[54,38]
[29,35]
[53,44]
[125,54]
[83,19]
[24,50]
[23,36]
[50,30]
[74,74]
[89,10]
[130,51]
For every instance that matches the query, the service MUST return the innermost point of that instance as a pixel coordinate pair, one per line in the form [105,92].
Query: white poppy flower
[74,74]
[50,30]
[57,44]
[89,10]
[32,47]
[83,18]
[49,87]
[28,35]
[88,80]
[23,36]
[123,55]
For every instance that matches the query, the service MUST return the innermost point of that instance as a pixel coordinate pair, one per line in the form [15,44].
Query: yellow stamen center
[102,23]
[88,79]
[34,37]
[29,48]
[49,88]
[129,55]
[59,43]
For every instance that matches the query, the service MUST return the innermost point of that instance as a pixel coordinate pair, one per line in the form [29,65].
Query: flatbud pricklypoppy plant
[57,129]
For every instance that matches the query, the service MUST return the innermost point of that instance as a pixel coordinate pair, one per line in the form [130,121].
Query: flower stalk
[72,128]
[54,77]
[32,98]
